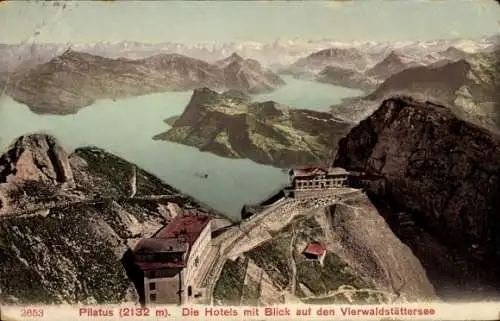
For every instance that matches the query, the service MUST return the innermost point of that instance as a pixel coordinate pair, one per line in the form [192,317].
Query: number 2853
[34,313]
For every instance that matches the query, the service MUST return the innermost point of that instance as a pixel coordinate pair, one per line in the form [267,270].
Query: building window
[152,297]
[190,290]
[152,286]
[196,261]
[152,274]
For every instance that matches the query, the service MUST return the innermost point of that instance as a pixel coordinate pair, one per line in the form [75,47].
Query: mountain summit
[392,64]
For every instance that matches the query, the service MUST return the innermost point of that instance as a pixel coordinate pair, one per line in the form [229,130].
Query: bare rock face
[442,170]
[36,158]
[363,238]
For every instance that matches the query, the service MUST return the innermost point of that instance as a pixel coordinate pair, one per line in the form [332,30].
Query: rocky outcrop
[230,125]
[36,158]
[68,243]
[75,80]
[364,263]
[443,172]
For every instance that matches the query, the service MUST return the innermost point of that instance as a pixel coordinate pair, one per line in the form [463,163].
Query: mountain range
[348,67]
[469,86]
[75,80]
[280,53]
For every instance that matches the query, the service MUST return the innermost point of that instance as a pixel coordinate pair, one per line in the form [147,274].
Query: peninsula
[230,125]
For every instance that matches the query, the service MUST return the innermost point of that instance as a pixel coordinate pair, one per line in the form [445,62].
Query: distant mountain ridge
[75,80]
[345,57]
[441,82]
[469,86]
[247,73]
[391,65]
[345,77]
[355,68]
[275,54]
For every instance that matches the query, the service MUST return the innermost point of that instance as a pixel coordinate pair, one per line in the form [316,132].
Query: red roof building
[173,259]
[167,248]
[315,249]
[187,227]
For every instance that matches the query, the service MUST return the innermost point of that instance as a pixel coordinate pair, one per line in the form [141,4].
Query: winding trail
[36,211]
[347,291]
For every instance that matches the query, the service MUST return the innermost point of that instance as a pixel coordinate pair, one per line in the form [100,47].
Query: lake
[126,127]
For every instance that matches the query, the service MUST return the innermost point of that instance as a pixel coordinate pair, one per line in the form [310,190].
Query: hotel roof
[317,170]
[187,227]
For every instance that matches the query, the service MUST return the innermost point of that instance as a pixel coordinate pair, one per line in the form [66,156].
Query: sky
[260,21]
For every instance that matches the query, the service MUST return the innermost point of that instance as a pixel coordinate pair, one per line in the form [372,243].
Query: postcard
[250,160]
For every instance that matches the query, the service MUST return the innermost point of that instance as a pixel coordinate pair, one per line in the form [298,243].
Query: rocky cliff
[364,262]
[443,173]
[75,80]
[230,125]
[67,222]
